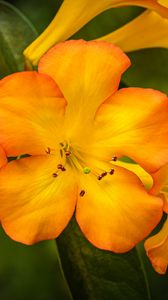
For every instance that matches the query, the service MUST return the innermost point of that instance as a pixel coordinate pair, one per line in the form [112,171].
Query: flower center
[74,158]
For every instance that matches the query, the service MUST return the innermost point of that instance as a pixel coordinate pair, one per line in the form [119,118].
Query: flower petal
[134,123]
[31,108]
[3,157]
[86,72]
[157,249]
[35,205]
[116,212]
[145,177]
[160,185]
[163,2]
[74,14]
[148,30]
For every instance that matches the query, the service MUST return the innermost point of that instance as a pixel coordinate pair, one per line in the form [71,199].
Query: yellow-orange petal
[160,185]
[31,108]
[35,205]
[3,157]
[134,123]
[145,177]
[148,30]
[157,249]
[116,212]
[163,2]
[73,14]
[86,73]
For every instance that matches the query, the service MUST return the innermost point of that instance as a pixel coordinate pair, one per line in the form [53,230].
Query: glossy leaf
[40,13]
[100,275]
[16,32]
[149,69]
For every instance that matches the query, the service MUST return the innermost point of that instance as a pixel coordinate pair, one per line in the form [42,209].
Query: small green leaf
[95,274]
[16,32]
[149,69]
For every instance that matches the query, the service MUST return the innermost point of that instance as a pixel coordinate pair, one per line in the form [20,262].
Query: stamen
[61,152]
[114,158]
[86,170]
[82,193]
[104,174]
[111,172]
[99,177]
[55,175]
[67,152]
[61,167]
[48,151]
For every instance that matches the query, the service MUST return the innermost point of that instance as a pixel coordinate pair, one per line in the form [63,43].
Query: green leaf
[95,274]
[149,69]
[40,13]
[16,32]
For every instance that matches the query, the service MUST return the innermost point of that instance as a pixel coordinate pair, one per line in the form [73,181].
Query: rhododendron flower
[74,124]
[148,30]
[74,14]
[157,245]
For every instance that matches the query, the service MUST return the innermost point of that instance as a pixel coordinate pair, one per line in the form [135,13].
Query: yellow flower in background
[148,30]
[74,14]
[74,124]
[163,2]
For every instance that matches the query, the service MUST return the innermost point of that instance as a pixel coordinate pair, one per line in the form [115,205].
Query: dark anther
[104,174]
[48,151]
[67,153]
[111,172]
[54,174]
[82,193]
[99,177]
[114,158]
[59,166]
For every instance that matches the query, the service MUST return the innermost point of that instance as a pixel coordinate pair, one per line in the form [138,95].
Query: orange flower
[71,120]
[157,245]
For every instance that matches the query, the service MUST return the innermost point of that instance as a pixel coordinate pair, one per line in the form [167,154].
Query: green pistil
[86,170]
